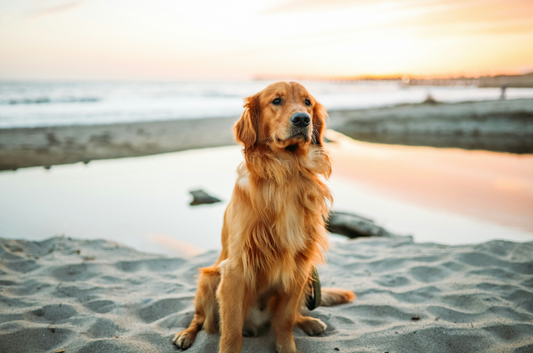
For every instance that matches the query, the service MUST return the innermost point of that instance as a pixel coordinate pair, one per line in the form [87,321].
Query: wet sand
[499,125]
[48,146]
[496,187]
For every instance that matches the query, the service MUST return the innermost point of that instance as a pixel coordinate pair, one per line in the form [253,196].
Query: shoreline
[501,126]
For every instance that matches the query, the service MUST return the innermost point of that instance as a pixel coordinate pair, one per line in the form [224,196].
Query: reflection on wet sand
[177,245]
[496,187]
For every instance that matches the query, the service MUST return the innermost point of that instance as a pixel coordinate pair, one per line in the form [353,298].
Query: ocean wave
[45,100]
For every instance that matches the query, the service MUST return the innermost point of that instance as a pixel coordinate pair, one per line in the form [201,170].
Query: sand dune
[99,296]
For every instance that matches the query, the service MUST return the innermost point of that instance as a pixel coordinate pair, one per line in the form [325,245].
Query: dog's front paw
[183,339]
[312,326]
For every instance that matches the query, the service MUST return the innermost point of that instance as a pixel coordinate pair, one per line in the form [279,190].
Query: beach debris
[88,258]
[430,100]
[502,95]
[336,349]
[354,226]
[415,318]
[59,351]
[200,197]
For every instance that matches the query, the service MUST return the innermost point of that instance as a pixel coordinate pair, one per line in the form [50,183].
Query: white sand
[99,296]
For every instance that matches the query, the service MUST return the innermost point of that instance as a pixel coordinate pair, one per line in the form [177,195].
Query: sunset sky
[174,39]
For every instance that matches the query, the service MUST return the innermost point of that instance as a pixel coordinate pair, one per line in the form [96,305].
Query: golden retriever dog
[274,229]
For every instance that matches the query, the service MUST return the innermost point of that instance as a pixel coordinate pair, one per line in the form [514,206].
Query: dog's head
[284,117]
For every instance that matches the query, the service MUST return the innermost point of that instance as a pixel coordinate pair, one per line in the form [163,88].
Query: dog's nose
[300,119]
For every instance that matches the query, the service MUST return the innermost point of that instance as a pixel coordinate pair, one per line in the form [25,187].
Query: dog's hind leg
[310,325]
[330,296]
[206,308]
[306,323]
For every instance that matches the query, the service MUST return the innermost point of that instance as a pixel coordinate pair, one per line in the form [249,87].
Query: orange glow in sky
[174,39]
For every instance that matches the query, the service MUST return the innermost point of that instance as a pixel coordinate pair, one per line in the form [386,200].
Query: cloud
[508,6]
[305,5]
[54,10]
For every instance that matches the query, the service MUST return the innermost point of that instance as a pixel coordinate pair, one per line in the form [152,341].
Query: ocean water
[36,104]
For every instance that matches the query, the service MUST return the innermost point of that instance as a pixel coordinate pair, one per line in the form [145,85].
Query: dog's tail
[336,296]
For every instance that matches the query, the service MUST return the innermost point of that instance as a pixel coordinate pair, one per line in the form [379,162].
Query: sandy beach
[449,287]
[100,296]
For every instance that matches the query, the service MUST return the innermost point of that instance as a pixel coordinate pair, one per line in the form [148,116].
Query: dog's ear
[319,123]
[246,128]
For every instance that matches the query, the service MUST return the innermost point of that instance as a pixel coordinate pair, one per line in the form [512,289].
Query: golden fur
[273,229]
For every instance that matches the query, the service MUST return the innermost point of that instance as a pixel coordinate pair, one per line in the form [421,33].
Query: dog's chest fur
[285,232]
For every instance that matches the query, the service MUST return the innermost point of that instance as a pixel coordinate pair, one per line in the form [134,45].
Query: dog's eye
[277,101]
[308,102]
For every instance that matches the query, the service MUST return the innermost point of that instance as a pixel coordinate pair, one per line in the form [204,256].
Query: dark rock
[354,226]
[201,197]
